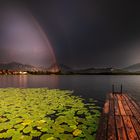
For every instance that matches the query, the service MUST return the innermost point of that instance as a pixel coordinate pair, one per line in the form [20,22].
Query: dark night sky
[98,33]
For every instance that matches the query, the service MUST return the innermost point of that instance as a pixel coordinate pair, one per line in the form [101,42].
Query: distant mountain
[65,69]
[19,67]
[133,68]
[15,66]
[94,70]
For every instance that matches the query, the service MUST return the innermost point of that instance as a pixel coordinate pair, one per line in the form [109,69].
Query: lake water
[87,86]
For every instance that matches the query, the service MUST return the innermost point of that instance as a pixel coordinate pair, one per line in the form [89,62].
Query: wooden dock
[120,119]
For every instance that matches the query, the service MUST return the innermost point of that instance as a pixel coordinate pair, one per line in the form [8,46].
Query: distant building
[11,72]
[23,72]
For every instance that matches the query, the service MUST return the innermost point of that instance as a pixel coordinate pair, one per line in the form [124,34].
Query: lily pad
[77,132]
[27,129]
[40,113]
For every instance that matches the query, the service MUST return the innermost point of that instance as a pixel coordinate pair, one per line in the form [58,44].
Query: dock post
[113,89]
[121,89]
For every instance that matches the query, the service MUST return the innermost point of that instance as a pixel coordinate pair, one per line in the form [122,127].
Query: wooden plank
[111,134]
[136,115]
[120,119]
[122,111]
[133,109]
[132,135]
[136,105]
[116,107]
[127,108]
[111,107]
[136,124]
[130,104]
[120,128]
[121,133]
[115,97]
[129,123]
[133,102]
[106,107]
[119,96]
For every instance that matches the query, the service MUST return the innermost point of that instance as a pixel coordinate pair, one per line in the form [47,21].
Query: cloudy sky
[84,33]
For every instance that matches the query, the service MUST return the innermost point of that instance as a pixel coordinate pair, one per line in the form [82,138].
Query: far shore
[43,73]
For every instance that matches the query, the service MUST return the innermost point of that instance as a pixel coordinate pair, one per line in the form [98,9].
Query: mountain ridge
[19,67]
[133,68]
[64,69]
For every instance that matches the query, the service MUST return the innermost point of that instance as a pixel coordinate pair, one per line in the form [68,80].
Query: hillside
[67,70]
[133,68]
[64,69]
[19,67]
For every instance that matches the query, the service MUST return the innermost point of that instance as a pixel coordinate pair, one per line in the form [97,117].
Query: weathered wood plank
[122,111]
[120,128]
[126,117]
[120,119]
[106,107]
[136,124]
[133,109]
[116,106]
[115,97]
[130,127]
[119,96]
[132,135]
[111,107]
[111,134]
[127,108]
[133,102]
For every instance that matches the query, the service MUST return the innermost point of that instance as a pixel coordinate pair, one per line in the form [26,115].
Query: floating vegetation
[39,113]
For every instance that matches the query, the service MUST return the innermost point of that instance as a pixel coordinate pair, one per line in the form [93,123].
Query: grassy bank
[44,114]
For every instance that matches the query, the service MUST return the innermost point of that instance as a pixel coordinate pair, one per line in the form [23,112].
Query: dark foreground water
[87,86]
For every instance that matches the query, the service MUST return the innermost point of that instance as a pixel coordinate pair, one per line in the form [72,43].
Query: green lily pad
[77,132]
[40,113]
[47,137]
[27,129]
[35,133]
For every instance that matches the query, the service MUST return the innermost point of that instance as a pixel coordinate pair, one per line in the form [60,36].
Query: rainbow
[24,39]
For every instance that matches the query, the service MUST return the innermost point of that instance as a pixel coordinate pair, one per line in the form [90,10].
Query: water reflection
[13,81]
[25,81]
[87,86]
[22,81]
[42,81]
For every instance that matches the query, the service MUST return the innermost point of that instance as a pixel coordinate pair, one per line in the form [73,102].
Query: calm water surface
[87,86]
